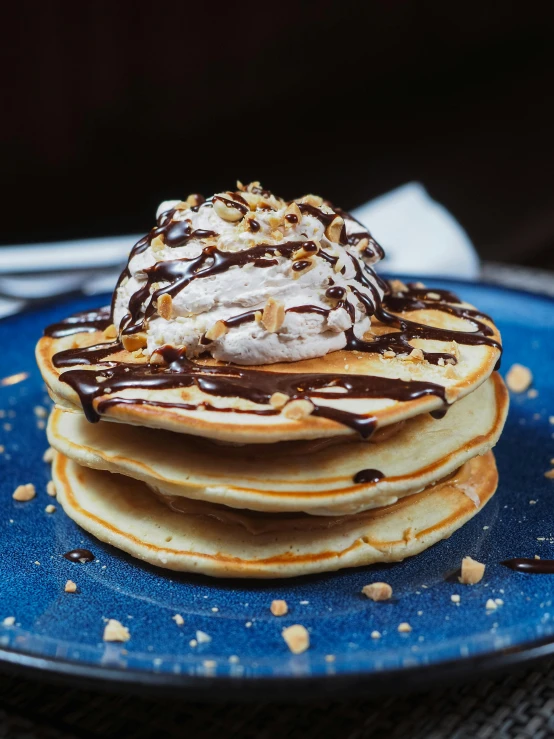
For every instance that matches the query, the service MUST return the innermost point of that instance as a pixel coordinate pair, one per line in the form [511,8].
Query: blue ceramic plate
[57,633]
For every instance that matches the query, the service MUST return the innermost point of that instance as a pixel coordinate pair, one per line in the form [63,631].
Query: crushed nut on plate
[279,607]
[472,571]
[70,587]
[24,493]
[377,591]
[273,315]
[404,627]
[296,638]
[519,378]
[179,620]
[115,631]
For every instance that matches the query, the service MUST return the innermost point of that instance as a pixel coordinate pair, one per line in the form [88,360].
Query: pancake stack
[341,421]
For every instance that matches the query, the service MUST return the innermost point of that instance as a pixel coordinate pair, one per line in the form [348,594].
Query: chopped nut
[165,306]
[2,449]
[417,355]
[218,330]
[157,358]
[330,658]
[179,620]
[115,631]
[279,400]
[9,621]
[334,229]
[397,286]
[296,410]
[303,253]
[70,587]
[48,455]
[375,634]
[377,591]
[490,605]
[132,342]
[297,638]
[455,598]
[519,378]
[110,332]
[389,354]
[193,643]
[50,508]
[314,200]
[472,571]
[279,607]
[157,243]
[549,474]
[338,266]
[273,315]
[292,210]
[404,627]
[202,637]
[362,245]
[24,493]
[277,235]
[226,212]
[40,411]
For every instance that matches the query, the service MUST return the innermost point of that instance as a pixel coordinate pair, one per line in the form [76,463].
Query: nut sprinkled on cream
[244,275]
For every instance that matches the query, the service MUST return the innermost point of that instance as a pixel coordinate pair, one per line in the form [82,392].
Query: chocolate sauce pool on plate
[80,555]
[530,566]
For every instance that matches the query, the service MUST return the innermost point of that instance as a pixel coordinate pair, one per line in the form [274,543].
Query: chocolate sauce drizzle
[85,321]
[530,566]
[256,385]
[366,476]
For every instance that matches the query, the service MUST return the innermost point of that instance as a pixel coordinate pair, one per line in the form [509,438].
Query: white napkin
[418,234]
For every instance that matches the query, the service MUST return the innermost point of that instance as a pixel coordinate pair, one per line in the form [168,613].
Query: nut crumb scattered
[296,638]
[70,587]
[279,607]
[533,393]
[404,627]
[24,493]
[233,659]
[455,598]
[40,411]
[9,621]
[110,332]
[330,658]
[490,605]
[472,571]
[115,631]
[296,410]
[51,489]
[50,508]
[375,634]
[179,620]
[550,474]
[2,449]
[519,378]
[209,664]
[551,420]
[377,591]
[193,643]
[202,637]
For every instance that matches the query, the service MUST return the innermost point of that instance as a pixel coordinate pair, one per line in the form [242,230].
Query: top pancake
[231,403]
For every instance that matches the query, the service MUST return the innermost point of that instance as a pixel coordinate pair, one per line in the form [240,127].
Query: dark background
[110,107]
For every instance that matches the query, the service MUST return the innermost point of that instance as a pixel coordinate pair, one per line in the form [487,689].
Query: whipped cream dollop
[248,278]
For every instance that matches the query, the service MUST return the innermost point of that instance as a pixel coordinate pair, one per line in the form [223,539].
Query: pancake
[349,391]
[291,476]
[219,542]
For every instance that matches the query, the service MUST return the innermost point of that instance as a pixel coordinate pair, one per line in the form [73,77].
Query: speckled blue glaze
[235,614]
